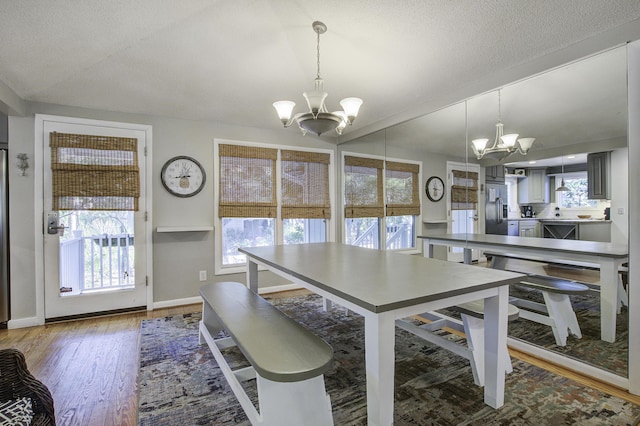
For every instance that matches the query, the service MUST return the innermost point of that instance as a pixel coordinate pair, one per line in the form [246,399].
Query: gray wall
[177,256]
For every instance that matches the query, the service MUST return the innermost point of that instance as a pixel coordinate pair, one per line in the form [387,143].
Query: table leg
[252,276]
[468,256]
[608,299]
[380,364]
[495,342]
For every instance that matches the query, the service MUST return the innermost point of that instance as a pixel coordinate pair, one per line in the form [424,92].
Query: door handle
[53,227]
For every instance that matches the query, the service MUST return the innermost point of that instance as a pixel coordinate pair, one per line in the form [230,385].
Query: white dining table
[607,257]
[383,286]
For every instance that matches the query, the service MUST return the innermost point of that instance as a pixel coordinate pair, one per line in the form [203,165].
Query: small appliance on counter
[526,211]
[607,213]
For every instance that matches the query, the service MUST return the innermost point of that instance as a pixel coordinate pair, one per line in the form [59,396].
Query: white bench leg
[474,330]
[563,317]
[294,403]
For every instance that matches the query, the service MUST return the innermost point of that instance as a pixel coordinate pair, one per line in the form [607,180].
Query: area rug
[180,383]
[590,349]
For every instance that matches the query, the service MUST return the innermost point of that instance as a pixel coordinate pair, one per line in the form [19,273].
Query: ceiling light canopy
[318,120]
[503,145]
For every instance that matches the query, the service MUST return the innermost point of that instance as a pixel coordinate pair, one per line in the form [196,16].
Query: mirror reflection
[563,177]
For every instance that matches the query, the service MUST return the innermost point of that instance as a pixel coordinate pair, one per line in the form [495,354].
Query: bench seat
[556,311]
[472,325]
[287,360]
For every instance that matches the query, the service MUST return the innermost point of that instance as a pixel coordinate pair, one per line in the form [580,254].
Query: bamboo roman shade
[94,172]
[402,189]
[363,187]
[247,181]
[305,185]
[464,190]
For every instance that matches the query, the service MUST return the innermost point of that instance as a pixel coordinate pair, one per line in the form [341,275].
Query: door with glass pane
[94,231]
[462,204]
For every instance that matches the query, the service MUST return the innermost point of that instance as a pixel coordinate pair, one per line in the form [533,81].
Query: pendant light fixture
[503,145]
[318,120]
[562,187]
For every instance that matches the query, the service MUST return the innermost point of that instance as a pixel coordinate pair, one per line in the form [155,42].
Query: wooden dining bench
[287,360]
[471,324]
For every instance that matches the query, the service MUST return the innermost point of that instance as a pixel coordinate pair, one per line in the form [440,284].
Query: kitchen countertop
[577,220]
[561,220]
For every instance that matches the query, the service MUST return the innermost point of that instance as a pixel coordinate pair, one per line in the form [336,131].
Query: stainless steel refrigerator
[4,241]
[496,209]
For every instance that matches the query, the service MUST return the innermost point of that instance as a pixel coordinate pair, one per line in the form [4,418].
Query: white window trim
[574,175]
[381,223]
[278,229]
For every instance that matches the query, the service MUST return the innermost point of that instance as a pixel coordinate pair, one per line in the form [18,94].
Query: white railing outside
[97,262]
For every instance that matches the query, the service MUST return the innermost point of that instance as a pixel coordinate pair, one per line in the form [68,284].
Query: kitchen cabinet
[598,175]
[528,228]
[586,230]
[534,188]
[494,174]
[512,228]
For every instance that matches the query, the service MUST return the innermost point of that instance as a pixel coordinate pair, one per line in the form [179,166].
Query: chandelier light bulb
[509,140]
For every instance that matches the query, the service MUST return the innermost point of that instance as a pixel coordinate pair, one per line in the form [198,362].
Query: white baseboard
[177,302]
[277,288]
[23,322]
[198,299]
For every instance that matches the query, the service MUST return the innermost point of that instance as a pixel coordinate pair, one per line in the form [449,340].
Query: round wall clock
[183,176]
[434,188]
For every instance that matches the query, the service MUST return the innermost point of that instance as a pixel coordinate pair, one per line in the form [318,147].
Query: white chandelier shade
[318,120]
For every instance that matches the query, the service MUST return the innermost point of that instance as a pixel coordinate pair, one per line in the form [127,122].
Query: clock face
[434,188]
[183,176]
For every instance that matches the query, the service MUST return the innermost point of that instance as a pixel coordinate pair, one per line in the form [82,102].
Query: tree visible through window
[577,196]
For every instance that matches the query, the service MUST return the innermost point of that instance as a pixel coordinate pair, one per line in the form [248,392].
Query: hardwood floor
[90,366]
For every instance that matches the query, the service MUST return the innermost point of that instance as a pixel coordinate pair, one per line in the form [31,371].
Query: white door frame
[38,160]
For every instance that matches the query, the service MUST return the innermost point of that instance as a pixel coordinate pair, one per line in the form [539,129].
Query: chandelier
[503,145]
[318,120]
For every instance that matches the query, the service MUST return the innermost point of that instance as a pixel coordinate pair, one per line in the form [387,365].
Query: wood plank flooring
[90,366]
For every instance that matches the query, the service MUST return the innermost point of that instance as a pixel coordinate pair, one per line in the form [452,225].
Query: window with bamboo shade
[305,185]
[464,190]
[402,188]
[363,187]
[92,172]
[247,181]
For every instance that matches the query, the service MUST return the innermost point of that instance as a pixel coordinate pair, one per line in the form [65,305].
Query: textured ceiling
[227,61]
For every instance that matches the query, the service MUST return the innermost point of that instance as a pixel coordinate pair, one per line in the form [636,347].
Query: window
[577,197]
[269,196]
[365,190]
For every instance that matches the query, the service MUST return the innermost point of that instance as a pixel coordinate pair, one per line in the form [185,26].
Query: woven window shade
[363,187]
[402,188]
[94,172]
[464,190]
[247,181]
[305,185]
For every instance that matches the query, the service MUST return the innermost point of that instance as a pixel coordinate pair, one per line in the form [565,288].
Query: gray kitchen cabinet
[494,173]
[598,175]
[533,188]
[595,231]
[528,228]
[512,228]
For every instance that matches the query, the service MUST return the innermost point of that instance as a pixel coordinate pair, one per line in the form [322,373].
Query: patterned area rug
[590,349]
[180,383]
